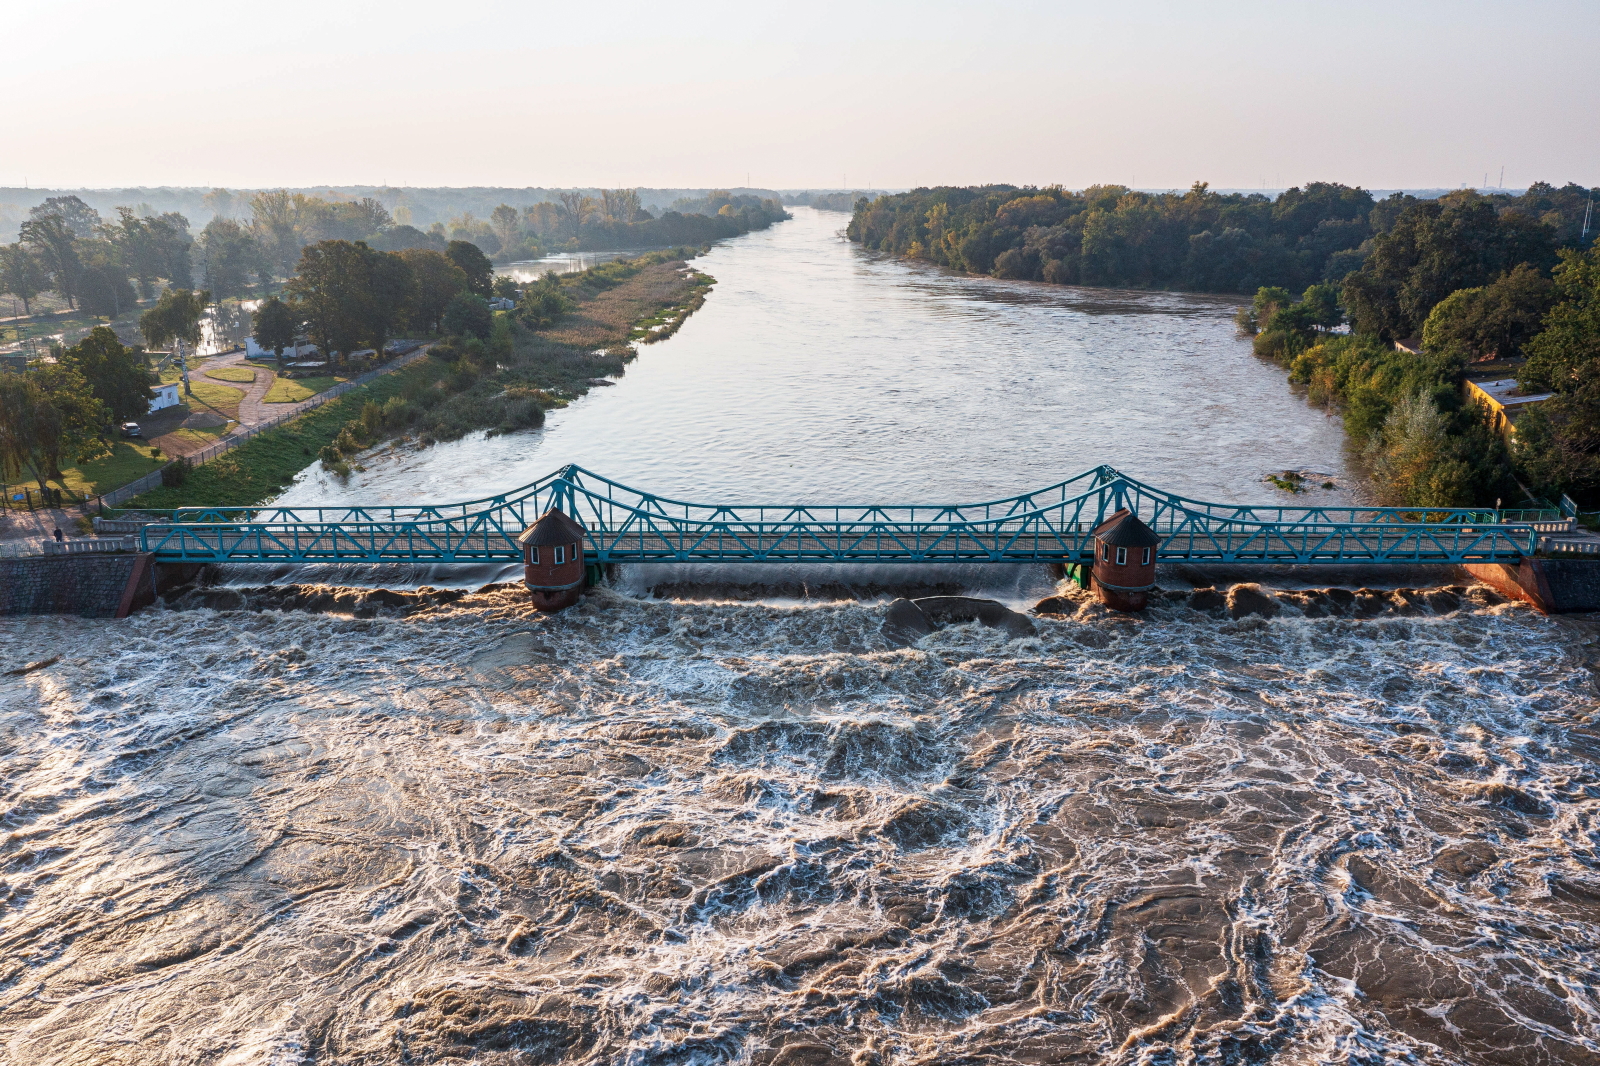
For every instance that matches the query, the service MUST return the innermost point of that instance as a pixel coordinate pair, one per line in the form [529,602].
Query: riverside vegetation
[565,333]
[1461,281]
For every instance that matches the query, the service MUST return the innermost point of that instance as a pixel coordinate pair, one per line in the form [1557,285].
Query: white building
[252,350]
[166,396]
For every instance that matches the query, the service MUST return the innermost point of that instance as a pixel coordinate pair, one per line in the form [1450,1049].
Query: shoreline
[548,368]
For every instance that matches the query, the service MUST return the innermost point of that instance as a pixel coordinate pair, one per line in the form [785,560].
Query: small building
[1409,345]
[500,303]
[552,560]
[166,396]
[365,353]
[1124,561]
[252,350]
[17,361]
[1504,402]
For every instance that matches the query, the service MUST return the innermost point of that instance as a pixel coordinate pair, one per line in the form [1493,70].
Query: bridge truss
[627,525]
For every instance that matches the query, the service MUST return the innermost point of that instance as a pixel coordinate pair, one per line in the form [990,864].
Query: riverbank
[503,387]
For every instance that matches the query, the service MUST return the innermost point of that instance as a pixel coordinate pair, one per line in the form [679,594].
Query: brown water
[679,831]
[654,832]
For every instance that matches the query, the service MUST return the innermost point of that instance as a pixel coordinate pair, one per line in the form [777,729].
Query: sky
[1238,93]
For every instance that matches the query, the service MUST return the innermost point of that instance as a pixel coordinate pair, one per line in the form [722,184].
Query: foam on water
[654,831]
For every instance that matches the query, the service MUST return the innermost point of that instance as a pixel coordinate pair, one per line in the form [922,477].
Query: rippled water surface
[649,832]
[818,372]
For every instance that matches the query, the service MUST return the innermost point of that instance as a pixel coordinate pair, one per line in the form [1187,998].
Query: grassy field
[129,460]
[445,401]
[223,399]
[285,390]
[259,469]
[232,373]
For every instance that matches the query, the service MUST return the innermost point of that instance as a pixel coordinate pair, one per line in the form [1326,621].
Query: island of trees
[1399,301]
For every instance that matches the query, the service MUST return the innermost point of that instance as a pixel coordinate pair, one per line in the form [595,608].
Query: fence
[90,545]
[244,433]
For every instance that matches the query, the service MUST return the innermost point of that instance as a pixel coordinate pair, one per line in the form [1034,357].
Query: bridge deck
[626,525]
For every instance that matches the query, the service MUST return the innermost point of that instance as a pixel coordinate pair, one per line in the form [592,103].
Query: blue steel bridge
[626,525]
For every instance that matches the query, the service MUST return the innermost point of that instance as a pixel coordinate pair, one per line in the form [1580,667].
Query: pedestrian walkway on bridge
[1051,525]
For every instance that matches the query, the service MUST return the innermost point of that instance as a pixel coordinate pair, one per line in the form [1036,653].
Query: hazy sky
[1392,94]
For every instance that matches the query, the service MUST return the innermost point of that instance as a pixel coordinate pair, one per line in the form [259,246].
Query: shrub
[175,473]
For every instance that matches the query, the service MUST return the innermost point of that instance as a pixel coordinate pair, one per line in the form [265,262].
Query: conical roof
[553,527]
[1124,530]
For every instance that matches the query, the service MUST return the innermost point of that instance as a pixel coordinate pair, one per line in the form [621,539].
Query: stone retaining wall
[91,586]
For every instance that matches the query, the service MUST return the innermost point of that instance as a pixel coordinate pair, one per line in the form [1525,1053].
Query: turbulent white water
[654,832]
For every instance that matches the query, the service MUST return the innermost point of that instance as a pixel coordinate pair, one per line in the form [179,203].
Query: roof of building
[553,527]
[1504,392]
[1124,530]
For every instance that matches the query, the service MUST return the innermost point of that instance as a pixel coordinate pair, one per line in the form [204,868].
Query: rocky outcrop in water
[907,621]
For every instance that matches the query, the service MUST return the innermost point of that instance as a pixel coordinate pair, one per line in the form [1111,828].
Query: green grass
[128,461]
[208,393]
[232,373]
[259,469]
[286,391]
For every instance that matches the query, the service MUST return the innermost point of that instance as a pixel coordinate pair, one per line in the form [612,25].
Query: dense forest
[1400,301]
[1200,241]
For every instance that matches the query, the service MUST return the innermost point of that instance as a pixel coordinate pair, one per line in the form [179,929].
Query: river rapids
[651,832]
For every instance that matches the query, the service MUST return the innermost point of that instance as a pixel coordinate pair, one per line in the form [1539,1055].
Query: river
[818,372]
[673,831]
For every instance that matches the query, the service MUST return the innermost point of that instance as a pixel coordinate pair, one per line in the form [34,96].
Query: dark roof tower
[1124,530]
[553,527]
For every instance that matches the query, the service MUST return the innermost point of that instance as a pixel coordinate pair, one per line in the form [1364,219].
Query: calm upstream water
[673,831]
[817,372]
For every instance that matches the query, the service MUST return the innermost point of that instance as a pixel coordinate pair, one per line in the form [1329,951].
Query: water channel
[820,372]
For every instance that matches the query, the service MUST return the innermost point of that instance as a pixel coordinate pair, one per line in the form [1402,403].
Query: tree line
[1450,285]
[1200,240]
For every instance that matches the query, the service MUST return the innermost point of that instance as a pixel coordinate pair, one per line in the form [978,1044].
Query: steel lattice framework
[627,525]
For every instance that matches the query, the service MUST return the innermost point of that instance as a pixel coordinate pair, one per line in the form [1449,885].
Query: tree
[275,326]
[175,317]
[543,302]
[230,256]
[575,209]
[1558,443]
[1436,247]
[80,219]
[506,223]
[117,375]
[391,285]
[331,292]
[104,292]
[20,274]
[474,264]
[469,316]
[52,241]
[1494,319]
[48,416]
[1566,353]
[435,281]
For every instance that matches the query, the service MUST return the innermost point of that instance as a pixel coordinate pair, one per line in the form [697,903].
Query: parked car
[131,429]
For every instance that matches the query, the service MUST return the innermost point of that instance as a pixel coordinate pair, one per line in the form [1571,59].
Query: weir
[627,525]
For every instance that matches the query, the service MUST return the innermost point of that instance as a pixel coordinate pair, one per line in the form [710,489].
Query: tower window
[561,554]
[533,553]
[1147,557]
[1105,552]
[1122,556]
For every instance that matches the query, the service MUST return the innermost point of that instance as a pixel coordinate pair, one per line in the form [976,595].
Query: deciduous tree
[21,275]
[474,264]
[117,375]
[275,326]
[435,281]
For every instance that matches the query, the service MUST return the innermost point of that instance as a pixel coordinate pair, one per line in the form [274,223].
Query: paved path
[252,409]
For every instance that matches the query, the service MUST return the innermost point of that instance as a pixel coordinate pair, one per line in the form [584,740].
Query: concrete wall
[91,586]
[1554,586]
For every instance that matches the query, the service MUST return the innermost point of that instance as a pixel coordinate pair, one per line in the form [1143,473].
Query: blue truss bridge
[626,525]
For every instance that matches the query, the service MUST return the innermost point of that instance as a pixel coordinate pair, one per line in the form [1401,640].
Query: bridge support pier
[552,561]
[1124,561]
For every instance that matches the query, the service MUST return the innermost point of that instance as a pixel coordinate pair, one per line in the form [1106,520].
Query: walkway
[627,525]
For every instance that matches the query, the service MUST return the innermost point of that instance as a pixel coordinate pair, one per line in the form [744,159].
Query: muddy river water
[657,831]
